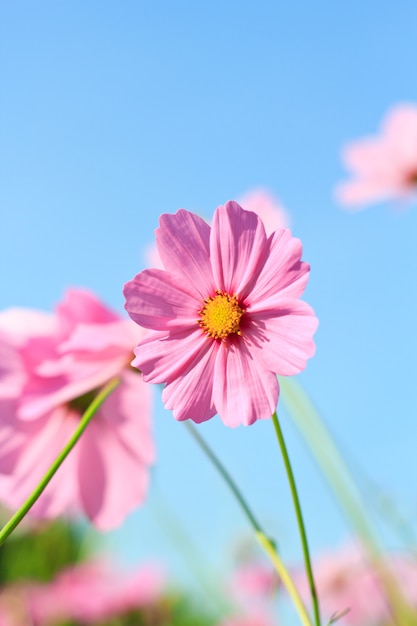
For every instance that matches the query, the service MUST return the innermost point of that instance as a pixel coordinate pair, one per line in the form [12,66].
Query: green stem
[266,543]
[84,421]
[299,517]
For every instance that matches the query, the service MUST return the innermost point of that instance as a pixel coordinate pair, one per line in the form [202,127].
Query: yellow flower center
[221,315]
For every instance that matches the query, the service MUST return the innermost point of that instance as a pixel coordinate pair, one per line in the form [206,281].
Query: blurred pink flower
[346,581]
[53,365]
[385,166]
[91,592]
[254,581]
[267,207]
[225,315]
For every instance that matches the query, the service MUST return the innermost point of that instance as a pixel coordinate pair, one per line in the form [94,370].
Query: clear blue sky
[114,112]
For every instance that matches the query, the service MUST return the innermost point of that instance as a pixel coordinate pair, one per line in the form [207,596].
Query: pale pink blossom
[348,583]
[225,315]
[384,166]
[93,591]
[55,364]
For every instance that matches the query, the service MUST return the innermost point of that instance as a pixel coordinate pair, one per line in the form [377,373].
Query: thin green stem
[267,544]
[299,517]
[84,421]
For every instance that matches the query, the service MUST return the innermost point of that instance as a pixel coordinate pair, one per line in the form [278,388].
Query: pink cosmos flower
[225,315]
[93,592]
[383,166]
[51,367]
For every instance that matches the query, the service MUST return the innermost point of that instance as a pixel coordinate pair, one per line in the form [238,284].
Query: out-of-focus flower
[254,581]
[260,201]
[54,364]
[86,593]
[225,315]
[93,591]
[346,581]
[383,167]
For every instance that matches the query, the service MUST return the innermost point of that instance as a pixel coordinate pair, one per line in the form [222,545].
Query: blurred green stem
[299,517]
[84,421]
[266,543]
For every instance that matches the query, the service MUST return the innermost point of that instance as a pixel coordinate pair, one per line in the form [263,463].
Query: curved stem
[299,517]
[266,543]
[84,421]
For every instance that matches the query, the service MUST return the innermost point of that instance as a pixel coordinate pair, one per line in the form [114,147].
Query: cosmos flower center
[221,315]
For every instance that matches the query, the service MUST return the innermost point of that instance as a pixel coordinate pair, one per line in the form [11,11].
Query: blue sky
[115,112]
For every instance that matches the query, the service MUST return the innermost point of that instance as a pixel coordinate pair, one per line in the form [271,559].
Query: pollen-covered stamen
[221,315]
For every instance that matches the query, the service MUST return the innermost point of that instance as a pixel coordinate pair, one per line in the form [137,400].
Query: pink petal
[284,274]
[401,121]
[160,300]
[163,357]
[42,443]
[243,391]
[20,324]
[369,158]
[238,247]
[190,395]
[281,339]
[12,374]
[127,411]
[82,306]
[44,394]
[114,337]
[358,193]
[183,244]
[111,481]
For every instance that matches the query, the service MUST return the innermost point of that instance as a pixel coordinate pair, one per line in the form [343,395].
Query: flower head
[224,315]
[385,166]
[54,365]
